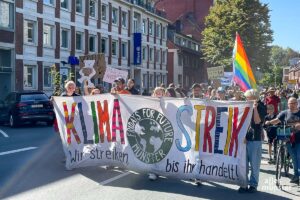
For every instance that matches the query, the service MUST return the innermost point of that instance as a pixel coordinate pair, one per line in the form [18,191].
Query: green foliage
[281,56]
[250,19]
[56,81]
[273,77]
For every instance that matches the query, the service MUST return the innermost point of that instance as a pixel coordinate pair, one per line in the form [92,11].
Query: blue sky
[285,22]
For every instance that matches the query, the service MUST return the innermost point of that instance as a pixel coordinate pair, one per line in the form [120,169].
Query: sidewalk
[268,180]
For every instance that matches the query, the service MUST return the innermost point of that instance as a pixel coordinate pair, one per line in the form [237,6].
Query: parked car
[20,107]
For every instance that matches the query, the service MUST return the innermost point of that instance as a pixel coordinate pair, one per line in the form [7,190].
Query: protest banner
[111,74]
[182,138]
[215,72]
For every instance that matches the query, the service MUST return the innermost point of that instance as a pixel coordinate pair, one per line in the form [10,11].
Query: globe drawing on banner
[150,135]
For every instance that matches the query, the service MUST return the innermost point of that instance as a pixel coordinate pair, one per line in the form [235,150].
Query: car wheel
[12,121]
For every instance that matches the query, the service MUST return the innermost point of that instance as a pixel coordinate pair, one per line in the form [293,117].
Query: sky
[285,22]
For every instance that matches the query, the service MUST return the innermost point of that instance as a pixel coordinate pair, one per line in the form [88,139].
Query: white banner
[112,74]
[183,138]
[215,72]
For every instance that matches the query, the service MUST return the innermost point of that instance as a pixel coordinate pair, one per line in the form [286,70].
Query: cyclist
[291,116]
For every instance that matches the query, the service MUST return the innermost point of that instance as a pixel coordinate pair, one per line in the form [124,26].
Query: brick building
[7,47]
[184,39]
[48,32]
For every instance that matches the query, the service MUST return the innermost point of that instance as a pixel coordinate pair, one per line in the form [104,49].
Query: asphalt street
[32,167]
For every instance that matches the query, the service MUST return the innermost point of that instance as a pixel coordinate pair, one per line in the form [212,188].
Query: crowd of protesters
[271,106]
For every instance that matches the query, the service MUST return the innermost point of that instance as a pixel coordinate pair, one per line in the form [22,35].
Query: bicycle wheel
[287,161]
[279,164]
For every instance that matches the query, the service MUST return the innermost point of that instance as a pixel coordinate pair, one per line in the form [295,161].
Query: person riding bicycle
[291,116]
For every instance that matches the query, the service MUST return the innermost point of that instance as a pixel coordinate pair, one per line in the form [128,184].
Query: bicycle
[283,161]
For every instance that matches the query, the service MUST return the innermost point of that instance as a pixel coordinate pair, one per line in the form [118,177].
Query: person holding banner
[120,87]
[131,87]
[253,141]
[70,87]
[196,91]
[158,92]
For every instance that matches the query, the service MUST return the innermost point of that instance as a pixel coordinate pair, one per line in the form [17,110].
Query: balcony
[147,6]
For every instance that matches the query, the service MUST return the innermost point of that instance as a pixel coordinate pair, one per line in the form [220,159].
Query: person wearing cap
[119,87]
[253,140]
[196,91]
[221,94]
[273,99]
[131,88]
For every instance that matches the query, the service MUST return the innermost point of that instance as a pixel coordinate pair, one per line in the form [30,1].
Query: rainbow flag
[242,72]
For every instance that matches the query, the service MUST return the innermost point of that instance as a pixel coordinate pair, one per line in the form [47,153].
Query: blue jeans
[293,153]
[254,150]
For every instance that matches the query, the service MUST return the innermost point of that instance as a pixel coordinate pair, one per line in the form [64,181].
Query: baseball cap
[120,79]
[196,85]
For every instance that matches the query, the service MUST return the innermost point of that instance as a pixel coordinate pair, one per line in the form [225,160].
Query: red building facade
[185,61]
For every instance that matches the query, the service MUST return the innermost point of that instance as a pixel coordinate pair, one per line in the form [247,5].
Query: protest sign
[112,74]
[215,72]
[182,138]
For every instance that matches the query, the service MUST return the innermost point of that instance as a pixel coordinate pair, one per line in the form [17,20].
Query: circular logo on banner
[150,135]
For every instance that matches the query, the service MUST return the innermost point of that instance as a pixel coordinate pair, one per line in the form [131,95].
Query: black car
[20,107]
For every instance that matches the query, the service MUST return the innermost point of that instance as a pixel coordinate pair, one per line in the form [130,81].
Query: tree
[280,56]
[250,19]
[56,81]
[273,77]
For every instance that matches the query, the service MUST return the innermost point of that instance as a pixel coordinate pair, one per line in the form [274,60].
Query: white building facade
[50,31]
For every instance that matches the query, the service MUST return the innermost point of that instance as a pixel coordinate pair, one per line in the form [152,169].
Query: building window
[179,79]
[79,6]
[49,2]
[29,77]
[158,30]
[157,56]
[183,42]
[164,33]
[164,56]
[47,77]
[64,38]
[64,4]
[114,47]
[92,43]
[151,80]
[29,31]
[151,28]
[79,41]
[104,45]
[178,40]
[180,60]
[48,35]
[151,54]
[158,79]
[7,15]
[189,44]
[114,16]
[92,9]
[144,53]
[104,12]
[124,50]
[144,26]
[145,81]
[124,19]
